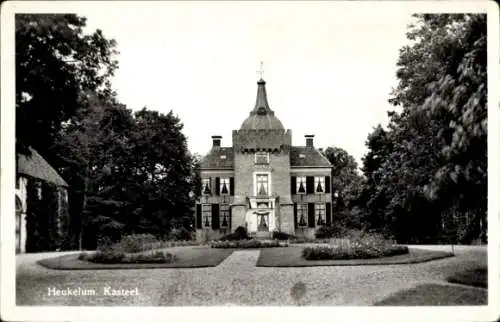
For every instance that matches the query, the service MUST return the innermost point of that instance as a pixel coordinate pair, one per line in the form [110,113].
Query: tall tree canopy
[434,157]
[55,63]
[133,171]
[346,187]
[127,172]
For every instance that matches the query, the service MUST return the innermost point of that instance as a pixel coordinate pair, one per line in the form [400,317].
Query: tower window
[262,158]
[319,184]
[206,186]
[262,185]
[206,211]
[224,186]
[301,185]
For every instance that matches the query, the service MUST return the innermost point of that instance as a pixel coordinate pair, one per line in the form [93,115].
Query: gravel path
[236,281]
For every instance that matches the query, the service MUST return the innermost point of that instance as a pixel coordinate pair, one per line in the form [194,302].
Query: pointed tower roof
[262,117]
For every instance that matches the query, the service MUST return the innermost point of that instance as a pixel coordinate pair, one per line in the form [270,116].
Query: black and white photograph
[261,156]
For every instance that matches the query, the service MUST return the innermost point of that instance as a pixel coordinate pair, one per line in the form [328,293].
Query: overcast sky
[329,68]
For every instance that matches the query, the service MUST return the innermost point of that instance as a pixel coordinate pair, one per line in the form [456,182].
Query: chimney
[216,141]
[309,140]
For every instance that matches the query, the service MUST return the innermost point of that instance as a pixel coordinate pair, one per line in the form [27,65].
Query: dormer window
[261,158]
[319,184]
[301,185]
[302,156]
[206,186]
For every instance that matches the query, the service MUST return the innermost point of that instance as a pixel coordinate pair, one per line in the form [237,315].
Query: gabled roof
[311,158]
[35,166]
[215,158]
[303,156]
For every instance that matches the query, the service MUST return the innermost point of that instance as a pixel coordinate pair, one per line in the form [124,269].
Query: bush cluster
[329,252]
[103,256]
[135,243]
[360,245]
[117,257]
[251,243]
[178,234]
[128,250]
[240,233]
[324,232]
[155,257]
[279,235]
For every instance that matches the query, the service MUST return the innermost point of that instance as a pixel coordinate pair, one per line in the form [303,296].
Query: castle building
[262,182]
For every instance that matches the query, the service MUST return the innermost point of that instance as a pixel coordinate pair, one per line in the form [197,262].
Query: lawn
[291,257]
[473,277]
[435,294]
[185,257]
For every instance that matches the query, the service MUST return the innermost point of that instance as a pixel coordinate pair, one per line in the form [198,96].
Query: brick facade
[261,168]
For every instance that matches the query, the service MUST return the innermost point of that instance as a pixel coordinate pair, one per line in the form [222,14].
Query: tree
[435,158]
[55,63]
[346,185]
[163,169]
[443,74]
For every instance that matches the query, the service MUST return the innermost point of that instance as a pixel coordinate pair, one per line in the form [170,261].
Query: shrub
[252,243]
[325,232]
[239,234]
[359,245]
[180,234]
[279,235]
[104,243]
[156,257]
[114,257]
[354,252]
[110,257]
[135,243]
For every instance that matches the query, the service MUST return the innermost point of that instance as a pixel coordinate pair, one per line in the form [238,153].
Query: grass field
[185,257]
[291,257]
[435,295]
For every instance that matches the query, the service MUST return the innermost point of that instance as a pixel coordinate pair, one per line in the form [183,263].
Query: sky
[329,68]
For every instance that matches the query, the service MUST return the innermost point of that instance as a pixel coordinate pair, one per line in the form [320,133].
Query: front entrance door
[263,222]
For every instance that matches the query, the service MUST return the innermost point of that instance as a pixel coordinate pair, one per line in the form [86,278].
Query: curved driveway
[236,281]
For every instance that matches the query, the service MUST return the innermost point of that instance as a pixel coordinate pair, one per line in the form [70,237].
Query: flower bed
[251,243]
[130,249]
[114,257]
[360,246]
[329,252]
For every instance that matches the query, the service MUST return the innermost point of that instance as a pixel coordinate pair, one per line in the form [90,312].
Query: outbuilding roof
[36,166]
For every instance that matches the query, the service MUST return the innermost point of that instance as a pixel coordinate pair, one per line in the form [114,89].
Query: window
[302,215]
[206,211]
[262,158]
[319,184]
[224,186]
[262,185]
[224,216]
[301,185]
[206,186]
[319,214]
